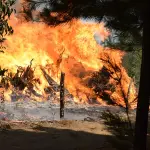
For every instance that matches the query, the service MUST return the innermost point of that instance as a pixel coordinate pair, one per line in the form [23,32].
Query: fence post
[1,94]
[62,78]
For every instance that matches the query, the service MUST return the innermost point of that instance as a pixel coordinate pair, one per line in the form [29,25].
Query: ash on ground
[47,111]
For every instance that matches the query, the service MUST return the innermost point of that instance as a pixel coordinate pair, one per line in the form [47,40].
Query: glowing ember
[70,48]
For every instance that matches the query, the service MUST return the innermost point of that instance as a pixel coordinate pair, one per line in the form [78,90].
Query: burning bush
[101,86]
[111,83]
[24,77]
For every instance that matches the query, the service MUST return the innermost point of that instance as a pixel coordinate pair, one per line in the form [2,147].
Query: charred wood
[62,98]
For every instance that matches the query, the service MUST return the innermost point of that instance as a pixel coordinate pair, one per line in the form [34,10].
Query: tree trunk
[143,97]
[62,78]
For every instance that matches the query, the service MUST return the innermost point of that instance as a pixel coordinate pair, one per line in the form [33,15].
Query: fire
[69,47]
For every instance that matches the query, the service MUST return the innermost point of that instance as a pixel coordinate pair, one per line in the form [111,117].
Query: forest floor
[82,129]
[54,135]
[58,135]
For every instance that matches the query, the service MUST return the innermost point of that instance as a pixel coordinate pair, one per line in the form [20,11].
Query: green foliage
[120,15]
[131,43]
[132,63]
[126,41]
[5,12]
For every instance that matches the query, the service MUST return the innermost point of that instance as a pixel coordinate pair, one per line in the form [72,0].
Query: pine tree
[5,12]
[5,29]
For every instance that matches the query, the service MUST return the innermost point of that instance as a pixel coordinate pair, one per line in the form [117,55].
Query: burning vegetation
[37,54]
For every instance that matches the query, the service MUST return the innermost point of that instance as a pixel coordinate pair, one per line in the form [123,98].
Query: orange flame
[70,48]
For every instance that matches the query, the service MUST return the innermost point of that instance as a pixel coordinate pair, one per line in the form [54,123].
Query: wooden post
[1,94]
[62,78]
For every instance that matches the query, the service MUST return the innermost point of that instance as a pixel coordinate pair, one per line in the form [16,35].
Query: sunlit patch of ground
[56,135]
[59,135]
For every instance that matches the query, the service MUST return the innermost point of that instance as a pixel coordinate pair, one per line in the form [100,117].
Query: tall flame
[69,47]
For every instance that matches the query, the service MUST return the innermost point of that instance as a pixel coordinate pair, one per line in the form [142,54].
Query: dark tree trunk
[62,78]
[143,97]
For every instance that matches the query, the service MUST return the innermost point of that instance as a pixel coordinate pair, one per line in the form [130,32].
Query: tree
[143,97]
[5,29]
[132,63]
[128,16]
[5,12]
[132,47]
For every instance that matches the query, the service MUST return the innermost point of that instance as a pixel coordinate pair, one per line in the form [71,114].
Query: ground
[58,135]
[54,135]
[86,131]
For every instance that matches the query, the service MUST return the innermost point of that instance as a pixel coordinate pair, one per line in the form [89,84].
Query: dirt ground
[58,135]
